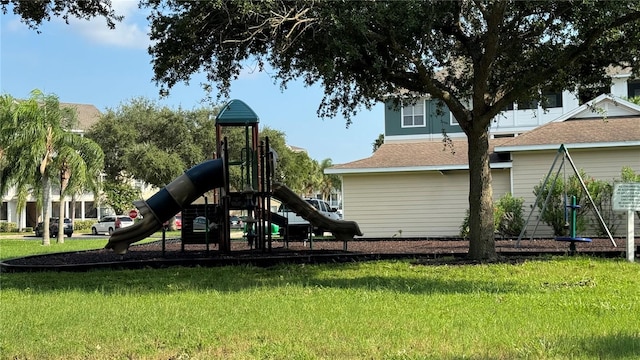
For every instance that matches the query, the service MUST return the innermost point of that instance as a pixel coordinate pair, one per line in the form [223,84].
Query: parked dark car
[200,224]
[53,228]
[235,222]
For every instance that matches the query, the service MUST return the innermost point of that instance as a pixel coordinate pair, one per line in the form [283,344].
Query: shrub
[507,217]
[464,227]
[602,195]
[82,225]
[555,196]
[557,215]
[8,226]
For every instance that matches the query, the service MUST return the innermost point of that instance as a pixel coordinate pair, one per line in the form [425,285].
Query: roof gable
[605,105]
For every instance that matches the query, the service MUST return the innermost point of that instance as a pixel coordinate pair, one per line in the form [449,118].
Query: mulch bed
[428,251]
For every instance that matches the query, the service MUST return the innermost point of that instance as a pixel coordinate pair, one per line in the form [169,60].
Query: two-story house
[415,186]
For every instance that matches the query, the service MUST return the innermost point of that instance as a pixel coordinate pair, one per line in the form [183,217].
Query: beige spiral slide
[341,229]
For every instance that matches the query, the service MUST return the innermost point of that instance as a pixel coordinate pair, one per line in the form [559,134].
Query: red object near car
[179,222]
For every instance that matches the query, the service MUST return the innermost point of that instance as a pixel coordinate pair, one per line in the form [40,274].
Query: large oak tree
[475,56]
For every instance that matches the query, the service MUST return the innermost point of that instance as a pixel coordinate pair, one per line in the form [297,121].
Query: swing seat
[572,242]
[573,239]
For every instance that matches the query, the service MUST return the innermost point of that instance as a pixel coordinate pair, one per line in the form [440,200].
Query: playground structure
[256,163]
[570,208]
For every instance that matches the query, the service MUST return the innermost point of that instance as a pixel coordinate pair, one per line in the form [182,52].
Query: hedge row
[78,225]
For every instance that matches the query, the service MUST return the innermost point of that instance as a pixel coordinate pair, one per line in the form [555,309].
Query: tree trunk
[481,228]
[64,183]
[46,201]
[72,209]
[61,220]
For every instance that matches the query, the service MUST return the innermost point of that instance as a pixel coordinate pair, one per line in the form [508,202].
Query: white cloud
[124,7]
[15,25]
[128,35]
[131,32]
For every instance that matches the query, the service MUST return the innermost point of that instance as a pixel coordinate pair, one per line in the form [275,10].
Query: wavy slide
[167,202]
[341,229]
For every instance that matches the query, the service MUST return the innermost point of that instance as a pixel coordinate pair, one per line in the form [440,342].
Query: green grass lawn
[11,248]
[555,308]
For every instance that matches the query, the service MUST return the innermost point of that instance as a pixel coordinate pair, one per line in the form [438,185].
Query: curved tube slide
[341,229]
[167,202]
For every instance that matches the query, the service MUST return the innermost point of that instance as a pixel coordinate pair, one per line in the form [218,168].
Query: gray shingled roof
[435,154]
[581,131]
[418,154]
[87,114]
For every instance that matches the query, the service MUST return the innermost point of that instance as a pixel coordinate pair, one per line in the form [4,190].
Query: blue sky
[85,62]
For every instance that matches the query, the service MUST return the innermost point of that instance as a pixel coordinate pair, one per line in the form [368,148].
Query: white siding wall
[609,107]
[523,120]
[424,204]
[530,168]
[501,182]
[619,86]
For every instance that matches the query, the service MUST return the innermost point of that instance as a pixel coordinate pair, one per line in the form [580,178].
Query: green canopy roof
[236,112]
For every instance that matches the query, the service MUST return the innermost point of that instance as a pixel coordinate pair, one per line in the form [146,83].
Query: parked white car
[108,224]
[298,227]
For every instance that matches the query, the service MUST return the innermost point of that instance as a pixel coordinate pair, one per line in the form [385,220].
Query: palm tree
[40,151]
[16,163]
[308,178]
[378,142]
[79,162]
[330,182]
[87,177]
[6,104]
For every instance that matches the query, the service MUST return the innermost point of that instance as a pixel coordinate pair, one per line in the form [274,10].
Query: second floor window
[553,100]
[413,115]
[633,88]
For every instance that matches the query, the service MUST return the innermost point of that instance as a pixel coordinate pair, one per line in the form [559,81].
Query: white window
[452,119]
[413,115]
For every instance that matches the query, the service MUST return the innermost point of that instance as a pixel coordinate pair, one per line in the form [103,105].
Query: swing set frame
[562,150]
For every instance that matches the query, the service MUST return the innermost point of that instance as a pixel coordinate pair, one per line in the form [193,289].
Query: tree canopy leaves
[34,13]
[493,53]
[154,144]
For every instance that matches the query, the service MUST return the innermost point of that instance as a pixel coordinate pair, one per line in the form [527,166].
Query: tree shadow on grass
[613,346]
[419,285]
[240,278]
